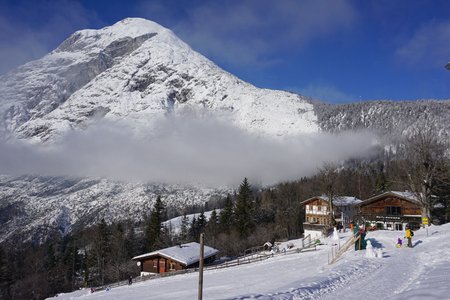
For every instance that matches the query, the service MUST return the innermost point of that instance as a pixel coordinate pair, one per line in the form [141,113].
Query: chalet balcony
[325,229]
[316,212]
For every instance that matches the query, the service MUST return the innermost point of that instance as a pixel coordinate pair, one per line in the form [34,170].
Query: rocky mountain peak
[123,31]
[136,71]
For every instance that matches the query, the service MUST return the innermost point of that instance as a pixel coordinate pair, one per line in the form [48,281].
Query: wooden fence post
[200,266]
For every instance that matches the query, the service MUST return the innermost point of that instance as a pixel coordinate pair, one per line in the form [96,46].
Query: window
[319,208]
[172,266]
[398,226]
[155,263]
[307,207]
[393,210]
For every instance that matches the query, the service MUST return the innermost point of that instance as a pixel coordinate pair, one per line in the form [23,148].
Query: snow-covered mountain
[34,207]
[392,118]
[137,72]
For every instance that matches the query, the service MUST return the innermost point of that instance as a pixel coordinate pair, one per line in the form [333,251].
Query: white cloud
[183,150]
[428,47]
[53,22]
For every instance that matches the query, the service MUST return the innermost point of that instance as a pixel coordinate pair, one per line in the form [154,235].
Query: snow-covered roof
[406,195]
[186,254]
[338,200]
[346,200]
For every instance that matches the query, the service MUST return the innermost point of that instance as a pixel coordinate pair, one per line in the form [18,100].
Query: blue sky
[335,50]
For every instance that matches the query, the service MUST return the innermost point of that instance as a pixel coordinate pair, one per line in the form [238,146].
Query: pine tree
[153,231]
[132,242]
[193,230]
[211,227]
[184,228]
[201,222]
[119,250]
[381,182]
[226,216]
[244,209]
[101,249]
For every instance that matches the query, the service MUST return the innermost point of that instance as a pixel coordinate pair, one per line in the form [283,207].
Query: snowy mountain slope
[391,118]
[33,207]
[138,71]
[174,224]
[417,273]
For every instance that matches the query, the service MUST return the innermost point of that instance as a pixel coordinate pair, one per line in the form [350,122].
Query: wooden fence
[350,242]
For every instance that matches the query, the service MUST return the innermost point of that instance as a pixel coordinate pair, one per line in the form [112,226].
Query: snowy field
[422,272]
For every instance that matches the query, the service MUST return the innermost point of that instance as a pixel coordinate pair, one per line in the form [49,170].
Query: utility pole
[200,267]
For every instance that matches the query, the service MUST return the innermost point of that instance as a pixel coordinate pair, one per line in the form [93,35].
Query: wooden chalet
[317,214]
[174,258]
[390,210]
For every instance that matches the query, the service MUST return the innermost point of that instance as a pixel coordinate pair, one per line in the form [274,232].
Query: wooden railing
[350,242]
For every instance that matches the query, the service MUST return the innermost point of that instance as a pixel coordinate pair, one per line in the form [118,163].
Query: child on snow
[399,243]
[409,234]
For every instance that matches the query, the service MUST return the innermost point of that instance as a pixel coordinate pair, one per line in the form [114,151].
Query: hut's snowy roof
[338,200]
[187,254]
[407,195]
[346,200]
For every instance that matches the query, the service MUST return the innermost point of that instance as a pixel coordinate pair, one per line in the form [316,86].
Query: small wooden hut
[174,258]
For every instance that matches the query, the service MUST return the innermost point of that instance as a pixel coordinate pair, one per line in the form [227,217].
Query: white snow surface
[342,200]
[406,194]
[420,272]
[174,224]
[346,200]
[187,254]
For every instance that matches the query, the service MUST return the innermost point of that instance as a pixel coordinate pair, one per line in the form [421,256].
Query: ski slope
[418,273]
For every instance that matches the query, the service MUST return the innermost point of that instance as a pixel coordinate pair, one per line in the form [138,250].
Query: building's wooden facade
[317,217]
[174,258]
[317,211]
[160,264]
[317,214]
[390,210]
